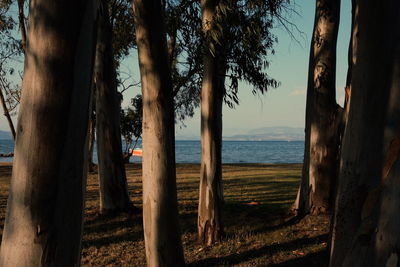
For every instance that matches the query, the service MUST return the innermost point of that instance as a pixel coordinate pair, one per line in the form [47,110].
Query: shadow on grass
[102,224]
[316,259]
[266,250]
[113,239]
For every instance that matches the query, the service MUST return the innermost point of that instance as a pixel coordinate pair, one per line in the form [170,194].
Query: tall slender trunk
[92,130]
[323,115]
[7,113]
[160,210]
[351,60]
[21,19]
[209,224]
[362,153]
[326,115]
[43,224]
[114,195]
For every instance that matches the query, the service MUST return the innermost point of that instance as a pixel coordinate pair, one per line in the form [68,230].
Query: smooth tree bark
[114,195]
[43,225]
[209,224]
[160,210]
[323,115]
[362,149]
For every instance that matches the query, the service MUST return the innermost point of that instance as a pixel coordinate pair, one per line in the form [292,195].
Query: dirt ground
[259,230]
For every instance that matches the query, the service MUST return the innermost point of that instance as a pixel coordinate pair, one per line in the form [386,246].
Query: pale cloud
[298,92]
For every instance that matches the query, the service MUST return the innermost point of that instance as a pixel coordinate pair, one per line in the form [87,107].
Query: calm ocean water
[232,151]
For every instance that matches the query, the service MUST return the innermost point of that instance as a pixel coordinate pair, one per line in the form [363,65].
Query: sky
[283,106]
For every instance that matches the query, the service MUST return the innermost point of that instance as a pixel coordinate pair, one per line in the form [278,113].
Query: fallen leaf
[252,203]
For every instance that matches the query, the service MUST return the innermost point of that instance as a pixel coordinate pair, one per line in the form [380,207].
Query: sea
[232,151]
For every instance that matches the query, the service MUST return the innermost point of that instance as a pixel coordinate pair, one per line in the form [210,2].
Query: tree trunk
[160,211]
[43,225]
[92,130]
[7,114]
[209,222]
[323,115]
[362,153]
[351,58]
[376,241]
[21,19]
[114,195]
[326,115]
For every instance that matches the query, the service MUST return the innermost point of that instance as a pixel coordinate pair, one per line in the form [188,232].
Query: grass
[259,231]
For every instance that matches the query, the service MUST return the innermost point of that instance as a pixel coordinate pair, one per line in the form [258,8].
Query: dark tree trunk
[376,241]
[323,115]
[43,224]
[7,114]
[114,195]
[160,210]
[92,130]
[21,19]
[351,59]
[354,222]
[209,225]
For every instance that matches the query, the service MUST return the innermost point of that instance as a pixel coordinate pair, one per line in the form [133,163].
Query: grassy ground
[258,230]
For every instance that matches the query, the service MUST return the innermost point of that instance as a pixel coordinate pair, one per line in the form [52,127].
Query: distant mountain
[282,133]
[5,135]
[270,134]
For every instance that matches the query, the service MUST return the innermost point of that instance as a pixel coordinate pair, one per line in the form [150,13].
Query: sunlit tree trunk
[323,115]
[354,222]
[160,211]
[43,224]
[114,195]
[209,223]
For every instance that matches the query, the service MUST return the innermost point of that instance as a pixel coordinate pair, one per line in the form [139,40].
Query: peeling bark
[323,115]
[360,185]
[160,211]
[44,215]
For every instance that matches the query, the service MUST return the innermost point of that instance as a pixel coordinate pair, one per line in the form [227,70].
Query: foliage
[183,22]
[243,35]
[121,20]
[10,51]
[131,122]
[243,32]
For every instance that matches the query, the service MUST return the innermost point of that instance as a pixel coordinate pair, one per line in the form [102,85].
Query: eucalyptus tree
[43,225]
[114,196]
[323,115]
[160,208]
[237,40]
[366,212]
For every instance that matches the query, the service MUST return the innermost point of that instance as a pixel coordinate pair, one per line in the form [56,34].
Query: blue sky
[284,106]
